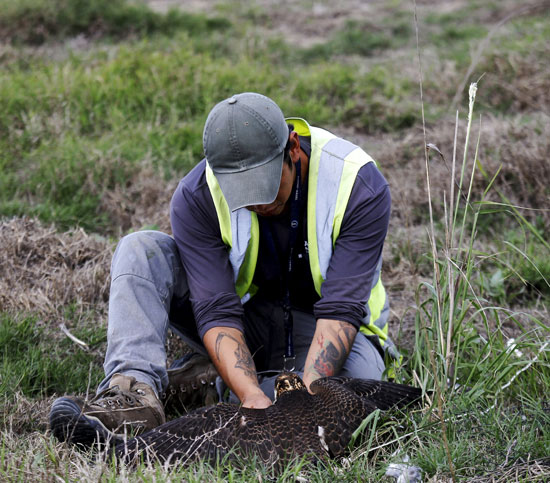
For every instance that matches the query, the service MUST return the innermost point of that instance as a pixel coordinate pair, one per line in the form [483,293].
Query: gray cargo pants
[149,293]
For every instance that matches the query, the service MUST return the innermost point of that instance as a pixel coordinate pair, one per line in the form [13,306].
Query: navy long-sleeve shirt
[349,277]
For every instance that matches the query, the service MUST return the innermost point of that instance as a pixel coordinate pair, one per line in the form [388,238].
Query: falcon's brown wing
[384,395]
[275,434]
[208,433]
[341,404]
[298,424]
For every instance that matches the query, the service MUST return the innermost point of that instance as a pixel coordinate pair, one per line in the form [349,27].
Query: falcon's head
[288,381]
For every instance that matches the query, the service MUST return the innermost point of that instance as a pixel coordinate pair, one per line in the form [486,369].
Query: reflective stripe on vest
[240,232]
[333,167]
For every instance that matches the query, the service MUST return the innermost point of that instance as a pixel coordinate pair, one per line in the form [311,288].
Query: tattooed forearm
[228,350]
[219,339]
[329,360]
[244,360]
[332,349]
[348,333]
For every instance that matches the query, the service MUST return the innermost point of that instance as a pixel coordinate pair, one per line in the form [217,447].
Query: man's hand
[256,401]
[232,358]
[329,349]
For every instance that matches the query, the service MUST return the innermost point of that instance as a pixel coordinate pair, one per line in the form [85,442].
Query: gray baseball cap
[244,139]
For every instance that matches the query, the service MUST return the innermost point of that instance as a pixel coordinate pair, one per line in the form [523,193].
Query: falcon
[315,426]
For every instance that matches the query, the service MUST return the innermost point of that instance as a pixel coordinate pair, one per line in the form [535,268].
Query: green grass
[361,38]
[77,127]
[521,272]
[73,130]
[38,21]
[483,440]
[36,362]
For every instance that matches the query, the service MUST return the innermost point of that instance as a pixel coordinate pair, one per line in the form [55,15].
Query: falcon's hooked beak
[288,381]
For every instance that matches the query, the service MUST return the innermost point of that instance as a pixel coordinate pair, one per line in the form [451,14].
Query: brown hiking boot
[126,406]
[191,384]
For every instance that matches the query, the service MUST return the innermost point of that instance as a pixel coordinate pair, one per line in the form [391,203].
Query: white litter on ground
[404,472]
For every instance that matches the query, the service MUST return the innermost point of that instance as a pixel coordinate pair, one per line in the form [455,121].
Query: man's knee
[364,360]
[148,242]
[152,255]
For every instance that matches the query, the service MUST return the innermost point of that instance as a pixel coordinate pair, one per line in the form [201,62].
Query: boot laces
[113,396]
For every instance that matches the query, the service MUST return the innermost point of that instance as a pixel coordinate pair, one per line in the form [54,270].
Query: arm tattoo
[242,354]
[332,357]
[321,340]
[327,360]
[349,333]
[245,361]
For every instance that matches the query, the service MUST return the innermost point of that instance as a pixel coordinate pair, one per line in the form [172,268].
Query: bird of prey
[315,426]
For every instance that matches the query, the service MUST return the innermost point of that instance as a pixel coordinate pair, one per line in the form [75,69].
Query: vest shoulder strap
[240,233]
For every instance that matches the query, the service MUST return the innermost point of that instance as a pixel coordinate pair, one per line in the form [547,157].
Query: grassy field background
[102,106]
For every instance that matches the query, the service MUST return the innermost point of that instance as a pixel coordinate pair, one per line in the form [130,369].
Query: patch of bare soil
[302,23]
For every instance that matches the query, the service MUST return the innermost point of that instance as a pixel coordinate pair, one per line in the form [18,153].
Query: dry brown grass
[517,147]
[22,415]
[520,82]
[43,271]
[522,470]
[143,201]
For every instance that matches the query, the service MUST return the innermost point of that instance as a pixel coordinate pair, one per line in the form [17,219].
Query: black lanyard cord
[289,357]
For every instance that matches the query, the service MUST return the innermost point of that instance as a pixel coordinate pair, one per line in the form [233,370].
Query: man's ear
[294,146]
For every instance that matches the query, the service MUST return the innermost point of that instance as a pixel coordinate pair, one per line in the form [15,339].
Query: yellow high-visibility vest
[333,167]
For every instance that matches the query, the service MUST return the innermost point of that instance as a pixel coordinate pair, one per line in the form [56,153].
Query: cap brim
[255,186]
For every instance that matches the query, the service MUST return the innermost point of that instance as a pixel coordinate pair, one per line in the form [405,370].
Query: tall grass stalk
[449,290]
[451,354]
[439,394]
[452,294]
[472,96]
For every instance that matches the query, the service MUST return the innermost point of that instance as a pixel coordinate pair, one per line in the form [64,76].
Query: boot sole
[68,423]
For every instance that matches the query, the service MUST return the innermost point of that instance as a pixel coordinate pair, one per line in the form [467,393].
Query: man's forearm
[329,349]
[232,358]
